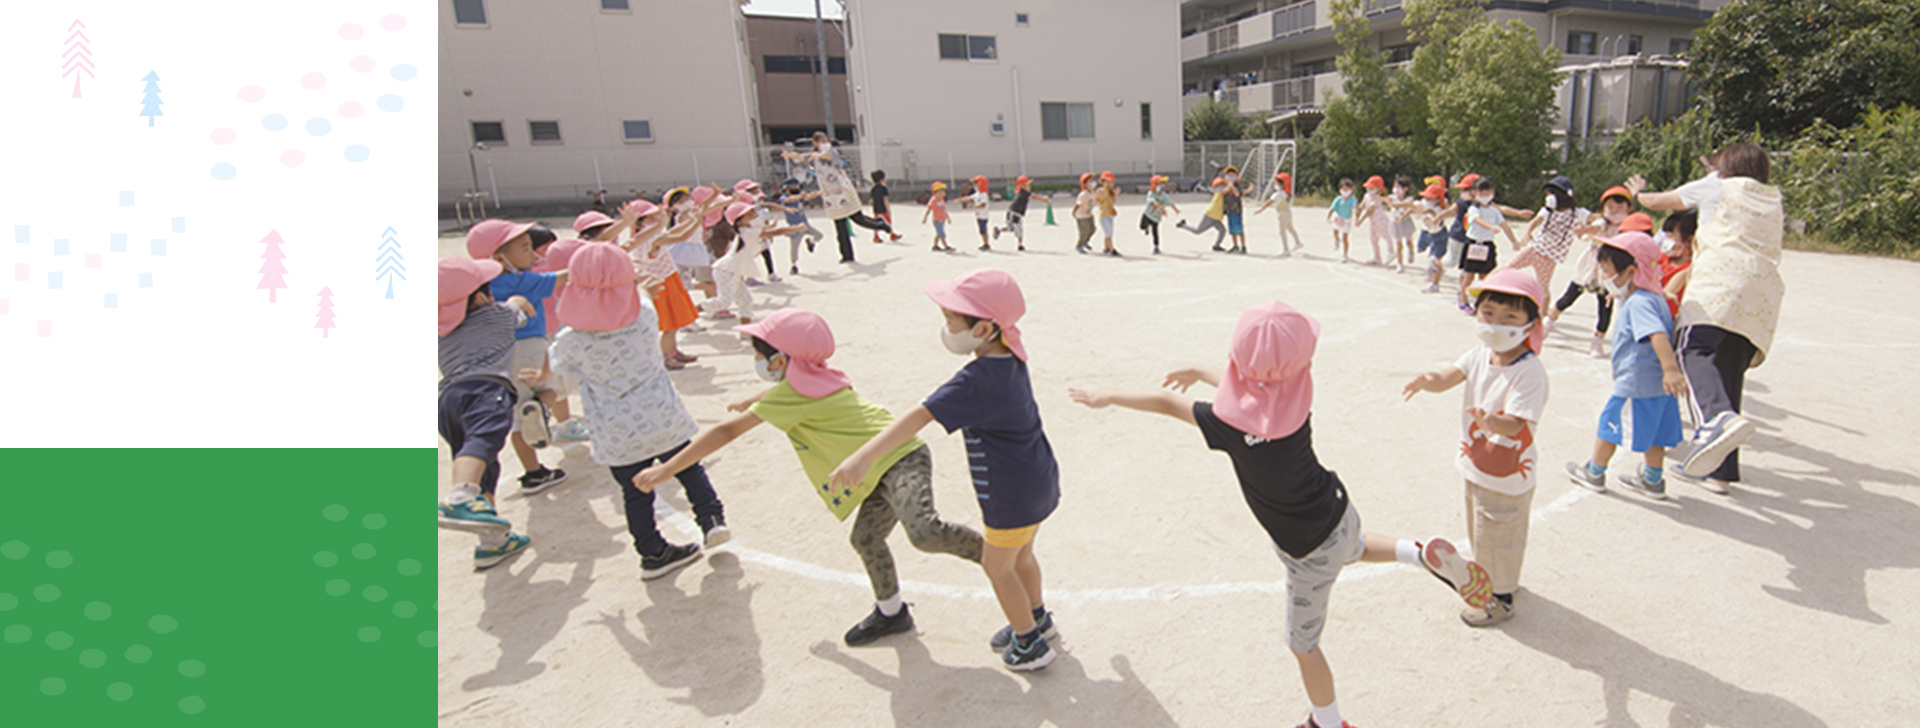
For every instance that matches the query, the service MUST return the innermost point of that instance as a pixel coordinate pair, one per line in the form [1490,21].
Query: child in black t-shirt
[1017,212]
[1260,420]
[880,208]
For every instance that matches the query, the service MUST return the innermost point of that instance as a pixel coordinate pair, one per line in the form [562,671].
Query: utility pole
[826,94]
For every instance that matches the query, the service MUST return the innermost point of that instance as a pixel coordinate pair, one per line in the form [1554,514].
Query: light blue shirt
[1636,368]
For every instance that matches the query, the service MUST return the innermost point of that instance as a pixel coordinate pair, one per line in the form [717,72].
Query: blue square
[20,234]
[126,198]
[113,300]
[179,224]
[53,279]
[146,280]
[119,243]
[159,247]
[59,247]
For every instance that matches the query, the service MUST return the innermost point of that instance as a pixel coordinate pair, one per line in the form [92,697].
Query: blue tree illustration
[152,99]
[388,265]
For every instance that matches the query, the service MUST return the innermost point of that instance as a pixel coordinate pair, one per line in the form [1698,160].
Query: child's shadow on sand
[718,663]
[927,693]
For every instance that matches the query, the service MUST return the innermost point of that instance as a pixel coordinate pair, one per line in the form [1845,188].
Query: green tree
[1213,120]
[1434,24]
[1777,66]
[1493,112]
[1359,114]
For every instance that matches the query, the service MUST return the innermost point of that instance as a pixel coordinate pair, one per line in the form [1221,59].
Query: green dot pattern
[429,639]
[338,587]
[374,521]
[192,705]
[405,610]
[59,640]
[193,668]
[13,550]
[93,659]
[19,633]
[408,567]
[53,686]
[326,559]
[46,592]
[369,634]
[120,691]
[8,602]
[335,512]
[374,593]
[163,624]
[139,653]
[364,551]
[59,560]
[99,611]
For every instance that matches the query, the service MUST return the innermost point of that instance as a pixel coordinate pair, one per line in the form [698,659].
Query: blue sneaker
[1715,440]
[1035,655]
[474,516]
[1004,637]
[573,430]
[486,558]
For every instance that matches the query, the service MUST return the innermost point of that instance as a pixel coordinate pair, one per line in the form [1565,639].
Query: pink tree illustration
[326,311]
[77,57]
[272,272]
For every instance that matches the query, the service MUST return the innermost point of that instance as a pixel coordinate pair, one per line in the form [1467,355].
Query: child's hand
[1419,384]
[650,477]
[1479,415]
[652,285]
[1674,382]
[530,376]
[1095,399]
[849,474]
[1181,379]
[741,405]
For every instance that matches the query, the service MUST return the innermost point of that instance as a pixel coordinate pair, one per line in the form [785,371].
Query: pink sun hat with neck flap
[487,236]
[601,294]
[1268,389]
[459,278]
[804,337]
[559,254]
[1518,283]
[988,293]
[589,219]
[700,197]
[1646,258]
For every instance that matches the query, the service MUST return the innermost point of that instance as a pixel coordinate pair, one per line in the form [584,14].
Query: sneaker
[1311,724]
[1397,267]
[1431,288]
[686,358]
[1714,441]
[725,314]
[1466,308]
[487,558]
[795,271]
[878,625]
[1035,655]
[1114,253]
[540,480]
[1717,487]
[1637,483]
[716,532]
[1581,477]
[1021,246]
[996,233]
[896,237]
[1468,579]
[772,278]
[654,567]
[673,364]
[1156,250]
[755,282]
[474,516]
[1218,249]
[1494,613]
[984,246]
[533,423]
[1004,637]
[573,430]
[1597,349]
[810,242]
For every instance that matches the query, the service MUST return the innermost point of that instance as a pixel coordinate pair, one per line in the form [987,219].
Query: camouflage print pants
[905,495]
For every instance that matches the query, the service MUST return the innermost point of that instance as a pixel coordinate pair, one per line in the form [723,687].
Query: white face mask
[960,342]
[1399,193]
[1616,217]
[1614,288]
[1486,199]
[1344,194]
[1233,178]
[1667,245]
[760,368]
[1500,338]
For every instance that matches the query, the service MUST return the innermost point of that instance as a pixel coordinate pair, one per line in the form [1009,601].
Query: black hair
[765,349]
[1619,259]
[1346,181]
[541,235]
[1683,222]
[1484,183]
[1403,181]
[1511,299]
[879,175]
[1562,199]
[472,302]
[673,197]
[594,231]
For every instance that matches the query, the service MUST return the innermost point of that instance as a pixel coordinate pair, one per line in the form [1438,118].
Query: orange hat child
[1022,181]
[937,186]
[1286,181]
[1637,222]
[980,183]
[1084,178]
[1154,181]
[1106,176]
[1375,183]
[1434,191]
[1466,182]
[1617,191]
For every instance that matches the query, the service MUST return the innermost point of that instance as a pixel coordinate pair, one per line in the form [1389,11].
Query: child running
[978,202]
[1104,197]
[1402,208]
[1340,216]
[827,421]
[1282,202]
[477,394]
[1013,470]
[1505,396]
[881,208]
[1550,235]
[1431,218]
[511,246]
[1214,217]
[1017,212]
[1616,204]
[1083,213]
[937,209]
[638,420]
[1233,205]
[1643,413]
[1260,419]
[1375,213]
[1483,220]
[1158,203]
[794,202]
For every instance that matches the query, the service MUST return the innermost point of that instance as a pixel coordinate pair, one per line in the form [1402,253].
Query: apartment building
[785,52]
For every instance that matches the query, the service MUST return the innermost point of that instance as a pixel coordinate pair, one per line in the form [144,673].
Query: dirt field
[1791,602]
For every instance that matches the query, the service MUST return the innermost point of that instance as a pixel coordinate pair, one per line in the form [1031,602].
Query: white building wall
[685,70]
[914,109]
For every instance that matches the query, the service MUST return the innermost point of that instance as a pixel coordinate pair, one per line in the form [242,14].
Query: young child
[1017,212]
[1260,419]
[638,420]
[1643,412]
[1083,213]
[732,269]
[937,209]
[477,385]
[649,249]
[1375,213]
[1214,217]
[1013,470]
[1282,202]
[1340,216]
[1505,397]
[1481,256]
[1550,234]
[565,426]
[978,202]
[1158,203]
[1457,241]
[881,208]
[1233,205]
[510,245]
[748,191]
[1431,218]
[815,405]
[691,256]
[1616,204]
[1104,196]
[1402,207]
[794,201]
[1676,256]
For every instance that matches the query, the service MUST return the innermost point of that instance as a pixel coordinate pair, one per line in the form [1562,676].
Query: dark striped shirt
[481,347]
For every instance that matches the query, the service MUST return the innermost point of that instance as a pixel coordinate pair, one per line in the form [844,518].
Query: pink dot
[314,81]
[393,22]
[362,64]
[350,31]
[224,136]
[251,94]
[293,158]
[350,109]
[46,329]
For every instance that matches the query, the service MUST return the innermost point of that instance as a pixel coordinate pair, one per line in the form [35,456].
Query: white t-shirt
[630,403]
[1427,215]
[1490,219]
[1496,462]
[978,201]
[1702,194]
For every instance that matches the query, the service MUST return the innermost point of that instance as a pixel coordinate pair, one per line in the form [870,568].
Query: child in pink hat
[511,245]
[1505,396]
[815,405]
[477,395]
[609,347]
[731,270]
[1013,469]
[1644,411]
[1259,418]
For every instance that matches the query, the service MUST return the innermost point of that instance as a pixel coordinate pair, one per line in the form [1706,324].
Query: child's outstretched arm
[854,468]
[1439,381]
[706,443]
[1671,378]
[1264,205]
[1162,402]
[521,302]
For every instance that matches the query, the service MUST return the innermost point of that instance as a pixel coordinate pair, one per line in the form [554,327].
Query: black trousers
[1605,314]
[646,536]
[1146,226]
[1715,362]
[844,232]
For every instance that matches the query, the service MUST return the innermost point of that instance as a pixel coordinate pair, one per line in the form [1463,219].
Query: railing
[1295,18]
[1223,39]
[1292,93]
[1376,7]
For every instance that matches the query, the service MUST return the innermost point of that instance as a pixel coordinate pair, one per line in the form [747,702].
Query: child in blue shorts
[1643,413]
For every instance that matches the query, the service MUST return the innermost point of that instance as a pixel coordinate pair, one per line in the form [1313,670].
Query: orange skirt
[674,305]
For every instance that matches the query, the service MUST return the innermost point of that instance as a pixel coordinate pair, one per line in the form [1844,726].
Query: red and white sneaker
[1465,577]
[1311,724]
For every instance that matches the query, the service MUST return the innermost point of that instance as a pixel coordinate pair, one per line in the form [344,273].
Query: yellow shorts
[1012,538]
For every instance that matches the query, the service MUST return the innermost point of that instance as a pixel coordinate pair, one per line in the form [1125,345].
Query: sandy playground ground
[1792,602]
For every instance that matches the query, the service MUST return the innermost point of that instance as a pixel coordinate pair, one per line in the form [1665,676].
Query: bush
[1856,186]
[1669,156]
[1213,120]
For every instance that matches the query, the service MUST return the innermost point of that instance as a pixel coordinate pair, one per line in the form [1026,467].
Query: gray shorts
[1310,580]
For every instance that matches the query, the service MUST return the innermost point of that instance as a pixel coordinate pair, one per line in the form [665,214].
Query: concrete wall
[793,99]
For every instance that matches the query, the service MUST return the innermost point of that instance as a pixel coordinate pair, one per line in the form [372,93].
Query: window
[1066,121]
[965,47]
[637,131]
[1580,43]
[1678,46]
[1146,120]
[1633,45]
[805,64]
[544,132]
[614,5]
[1400,53]
[489,132]
[1020,19]
[469,12]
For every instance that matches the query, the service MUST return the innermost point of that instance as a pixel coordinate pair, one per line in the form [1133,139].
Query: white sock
[563,423]
[493,542]
[891,606]
[1327,716]
[1406,552]
[462,492]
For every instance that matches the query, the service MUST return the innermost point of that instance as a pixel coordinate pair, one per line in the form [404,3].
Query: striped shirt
[481,347]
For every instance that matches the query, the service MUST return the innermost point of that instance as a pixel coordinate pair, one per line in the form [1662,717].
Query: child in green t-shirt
[826,420]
